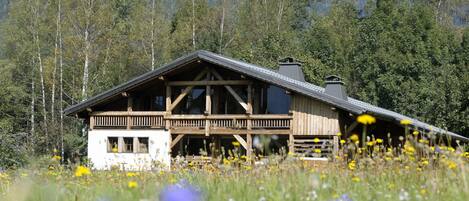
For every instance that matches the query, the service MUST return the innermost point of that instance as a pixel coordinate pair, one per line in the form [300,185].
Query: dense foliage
[407,56]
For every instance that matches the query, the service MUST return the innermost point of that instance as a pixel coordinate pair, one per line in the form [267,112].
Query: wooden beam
[349,129]
[230,89]
[168,105]
[92,123]
[249,104]
[186,91]
[241,141]
[291,143]
[249,145]
[209,82]
[208,105]
[176,140]
[129,110]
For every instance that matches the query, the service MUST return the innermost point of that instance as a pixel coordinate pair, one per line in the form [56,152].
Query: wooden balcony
[193,124]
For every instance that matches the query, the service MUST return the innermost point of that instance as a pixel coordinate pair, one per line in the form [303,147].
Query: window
[112,144]
[128,145]
[159,103]
[142,145]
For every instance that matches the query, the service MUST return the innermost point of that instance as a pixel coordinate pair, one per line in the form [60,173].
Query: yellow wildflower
[416,132]
[379,141]
[452,165]
[114,150]
[423,141]
[425,162]
[351,165]
[354,138]
[132,184]
[339,134]
[322,176]
[370,143]
[451,149]
[235,143]
[316,140]
[56,158]
[226,161]
[423,191]
[366,119]
[356,179]
[317,151]
[406,122]
[409,149]
[342,141]
[82,171]
[131,174]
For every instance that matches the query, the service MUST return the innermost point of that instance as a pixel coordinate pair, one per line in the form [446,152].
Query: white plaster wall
[158,147]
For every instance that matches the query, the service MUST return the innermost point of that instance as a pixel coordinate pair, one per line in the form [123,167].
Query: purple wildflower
[181,191]
[344,197]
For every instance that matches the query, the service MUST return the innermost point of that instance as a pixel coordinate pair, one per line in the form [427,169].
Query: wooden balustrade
[118,119]
[138,119]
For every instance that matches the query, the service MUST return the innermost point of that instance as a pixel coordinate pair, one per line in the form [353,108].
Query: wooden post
[249,146]
[249,104]
[335,151]
[291,139]
[249,124]
[120,144]
[92,123]
[129,110]
[208,106]
[135,145]
[168,105]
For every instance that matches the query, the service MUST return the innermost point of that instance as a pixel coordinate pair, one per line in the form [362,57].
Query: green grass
[288,179]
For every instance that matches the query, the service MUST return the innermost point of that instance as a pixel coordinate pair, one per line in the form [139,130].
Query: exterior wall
[158,150]
[312,117]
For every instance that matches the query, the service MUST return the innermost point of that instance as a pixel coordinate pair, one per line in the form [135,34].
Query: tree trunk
[153,35]
[41,73]
[193,24]
[280,14]
[61,108]
[222,24]
[33,102]
[85,79]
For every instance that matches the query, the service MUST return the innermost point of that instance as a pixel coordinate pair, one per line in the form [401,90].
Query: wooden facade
[312,117]
[228,104]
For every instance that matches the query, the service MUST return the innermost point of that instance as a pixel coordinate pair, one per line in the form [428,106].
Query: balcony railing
[258,123]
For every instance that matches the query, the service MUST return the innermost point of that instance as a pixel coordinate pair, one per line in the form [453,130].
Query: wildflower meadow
[420,167]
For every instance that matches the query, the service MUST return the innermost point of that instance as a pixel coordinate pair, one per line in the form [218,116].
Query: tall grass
[418,168]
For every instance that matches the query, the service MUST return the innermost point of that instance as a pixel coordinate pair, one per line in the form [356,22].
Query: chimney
[291,68]
[335,87]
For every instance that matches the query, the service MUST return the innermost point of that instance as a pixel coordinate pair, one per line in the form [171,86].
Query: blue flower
[182,191]
[344,197]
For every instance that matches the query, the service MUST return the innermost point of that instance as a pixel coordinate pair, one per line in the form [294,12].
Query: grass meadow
[416,169]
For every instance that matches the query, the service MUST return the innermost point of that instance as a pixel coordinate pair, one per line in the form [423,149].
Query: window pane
[128,145]
[112,144]
[143,144]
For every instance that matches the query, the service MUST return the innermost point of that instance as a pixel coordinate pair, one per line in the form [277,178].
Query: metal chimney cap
[289,61]
[333,79]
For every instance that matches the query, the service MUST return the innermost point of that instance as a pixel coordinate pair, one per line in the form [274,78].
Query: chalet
[202,102]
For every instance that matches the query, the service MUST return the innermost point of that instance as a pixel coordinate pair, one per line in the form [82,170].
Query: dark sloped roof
[352,105]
